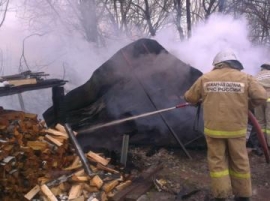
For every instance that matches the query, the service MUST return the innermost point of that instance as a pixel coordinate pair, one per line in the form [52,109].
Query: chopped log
[80,172]
[53,140]
[73,167]
[89,188]
[30,116]
[47,192]
[42,180]
[107,187]
[75,164]
[94,168]
[60,128]
[56,190]
[123,185]
[45,164]
[96,181]
[75,191]
[64,186]
[76,161]
[120,196]
[55,132]
[32,192]
[80,178]
[102,167]
[103,196]
[60,138]
[37,145]
[44,198]
[81,198]
[98,158]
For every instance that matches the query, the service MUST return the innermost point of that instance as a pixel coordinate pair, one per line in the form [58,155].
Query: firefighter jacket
[226,96]
[263,78]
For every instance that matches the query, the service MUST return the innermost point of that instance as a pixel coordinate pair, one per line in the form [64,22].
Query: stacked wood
[39,163]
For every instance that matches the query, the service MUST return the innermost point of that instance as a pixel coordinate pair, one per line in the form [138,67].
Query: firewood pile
[39,163]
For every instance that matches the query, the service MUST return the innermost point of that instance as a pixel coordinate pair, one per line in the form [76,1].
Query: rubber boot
[241,199]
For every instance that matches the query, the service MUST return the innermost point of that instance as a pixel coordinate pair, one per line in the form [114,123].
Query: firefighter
[262,112]
[226,94]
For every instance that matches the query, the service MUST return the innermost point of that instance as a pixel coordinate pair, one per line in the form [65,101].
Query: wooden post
[58,103]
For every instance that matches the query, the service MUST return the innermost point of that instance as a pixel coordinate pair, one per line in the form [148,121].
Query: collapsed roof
[139,78]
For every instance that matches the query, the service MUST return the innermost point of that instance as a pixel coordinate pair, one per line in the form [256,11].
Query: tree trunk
[221,4]
[148,19]
[178,8]
[188,18]
[89,20]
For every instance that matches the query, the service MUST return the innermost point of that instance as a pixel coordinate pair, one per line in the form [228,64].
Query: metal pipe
[78,149]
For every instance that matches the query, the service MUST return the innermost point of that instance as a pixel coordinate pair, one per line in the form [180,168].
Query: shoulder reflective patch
[224,87]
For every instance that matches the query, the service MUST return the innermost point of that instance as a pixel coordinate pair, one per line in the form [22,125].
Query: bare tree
[178,6]
[188,18]
[3,10]
[89,19]
[71,16]
[96,20]
[258,13]
[209,7]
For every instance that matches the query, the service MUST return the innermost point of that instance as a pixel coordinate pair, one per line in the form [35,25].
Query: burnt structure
[141,77]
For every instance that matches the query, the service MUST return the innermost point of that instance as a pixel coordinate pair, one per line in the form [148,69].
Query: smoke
[209,37]
[62,55]
[68,56]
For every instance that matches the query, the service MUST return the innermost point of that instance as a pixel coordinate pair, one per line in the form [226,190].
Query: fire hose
[260,136]
[251,117]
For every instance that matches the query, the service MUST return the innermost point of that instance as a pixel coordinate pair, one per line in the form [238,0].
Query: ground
[188,179]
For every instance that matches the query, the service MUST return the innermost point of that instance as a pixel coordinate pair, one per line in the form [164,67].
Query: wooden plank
[22,82]
[152,170]
[139,190]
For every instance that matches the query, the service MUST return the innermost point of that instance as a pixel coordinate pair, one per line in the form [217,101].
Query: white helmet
[224,55]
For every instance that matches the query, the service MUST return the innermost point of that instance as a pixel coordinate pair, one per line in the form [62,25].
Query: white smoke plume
[209,37]
[71,58]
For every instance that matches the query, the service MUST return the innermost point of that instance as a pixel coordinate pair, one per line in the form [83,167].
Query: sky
[53,52]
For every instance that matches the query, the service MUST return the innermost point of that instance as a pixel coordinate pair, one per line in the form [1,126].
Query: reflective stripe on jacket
[226,95]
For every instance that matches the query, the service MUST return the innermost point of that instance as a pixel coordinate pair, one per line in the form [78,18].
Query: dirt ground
[188,179]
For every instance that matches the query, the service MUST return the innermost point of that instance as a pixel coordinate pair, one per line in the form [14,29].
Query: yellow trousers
[229,167]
